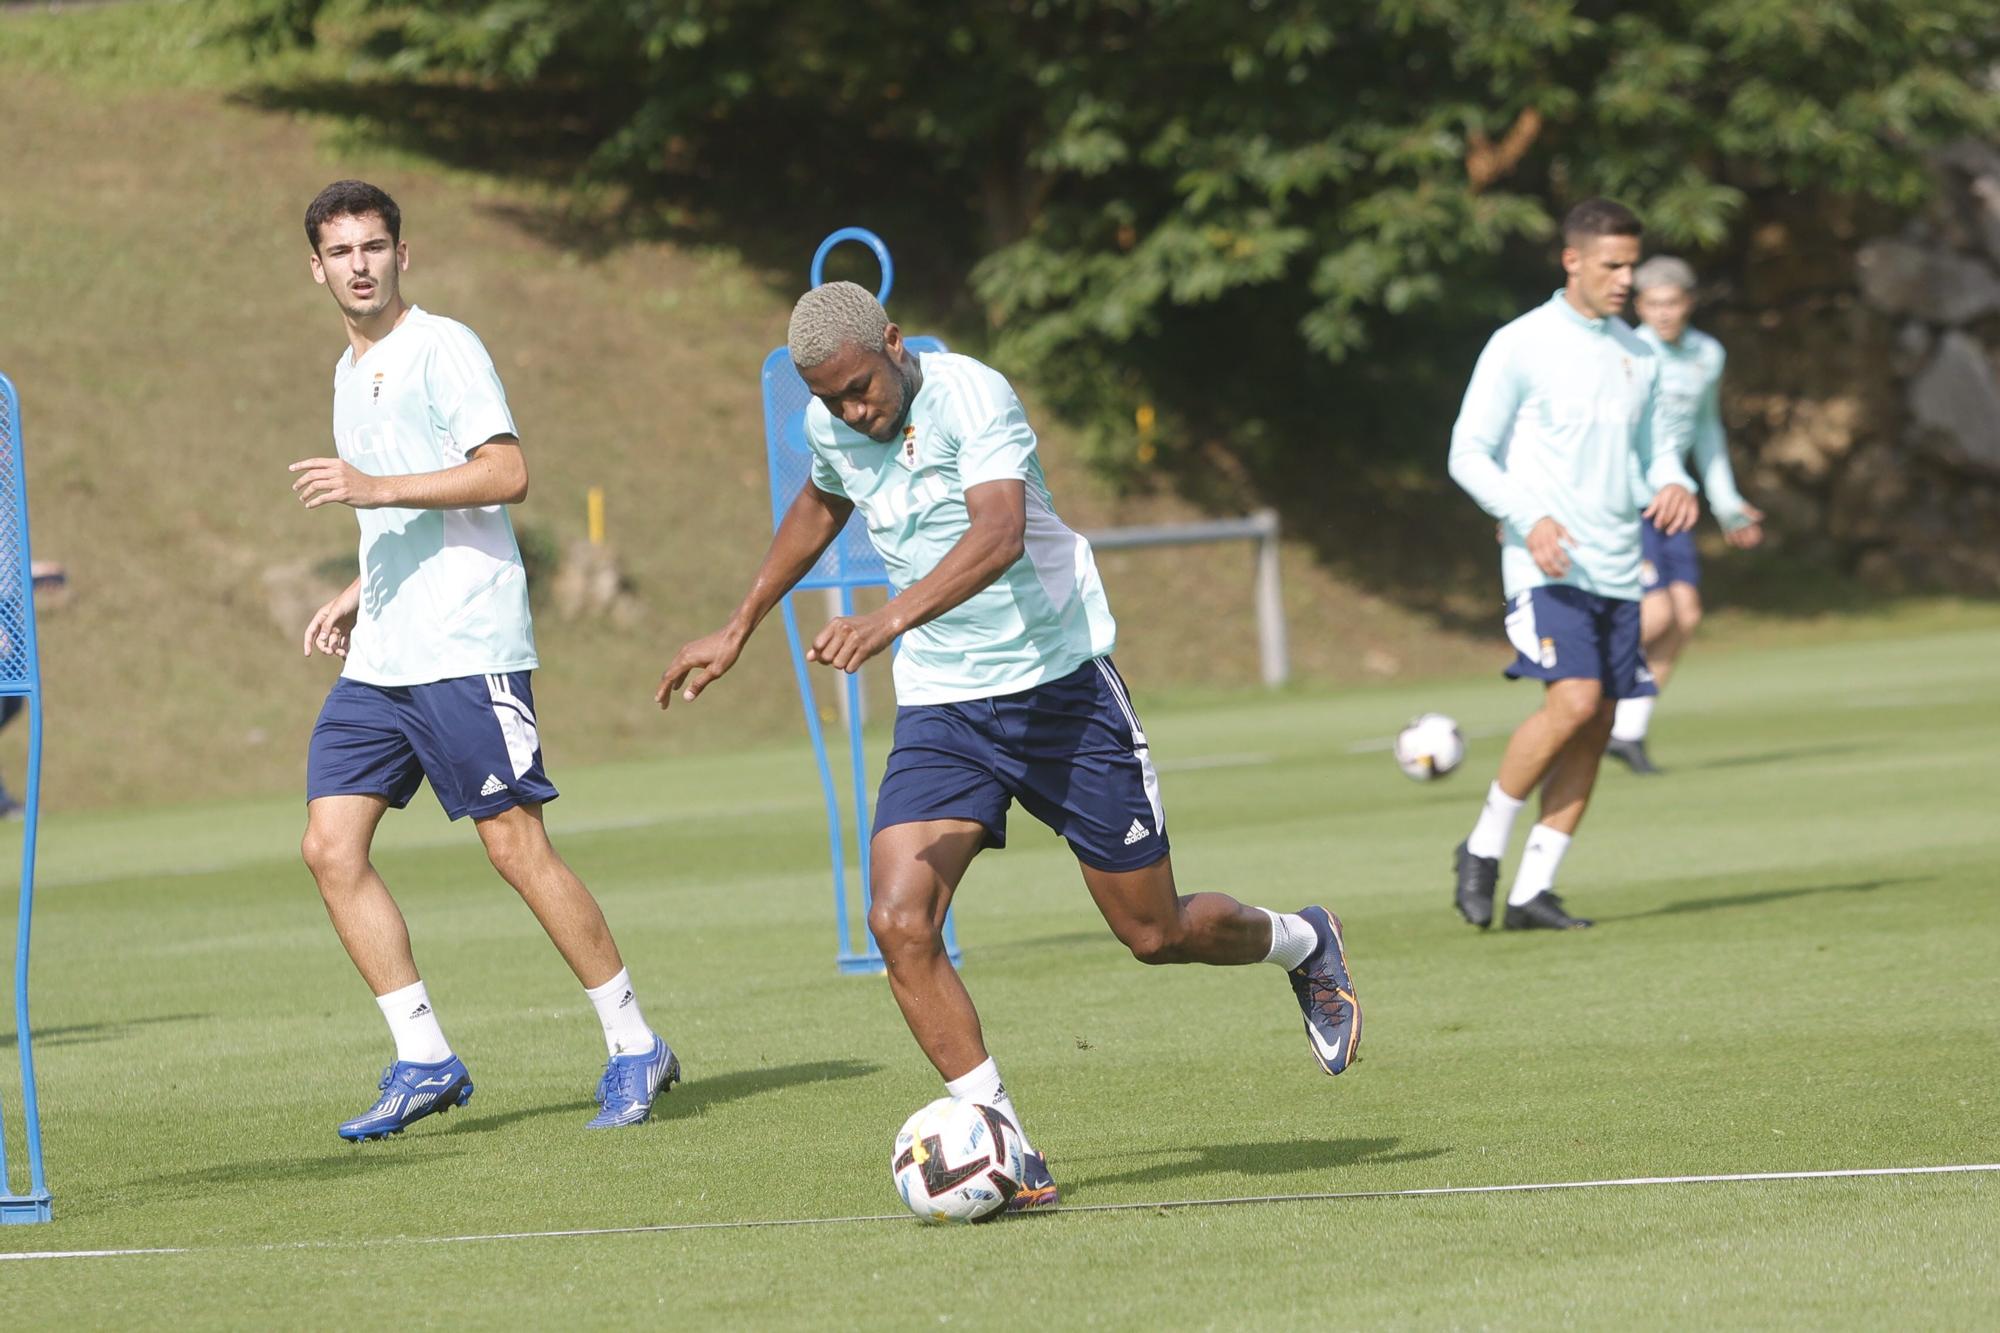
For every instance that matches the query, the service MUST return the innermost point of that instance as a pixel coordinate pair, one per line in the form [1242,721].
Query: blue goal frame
[849,563]
[21,677]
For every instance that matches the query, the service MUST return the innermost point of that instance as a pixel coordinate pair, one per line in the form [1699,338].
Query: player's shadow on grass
[76,1034]
[698,1094]
[1262,1159]
[695,1096]
[1044,944]
[347,1162]
[1774,757]
[1728,900]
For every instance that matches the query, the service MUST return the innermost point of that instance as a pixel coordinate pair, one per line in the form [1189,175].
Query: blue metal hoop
[867,238]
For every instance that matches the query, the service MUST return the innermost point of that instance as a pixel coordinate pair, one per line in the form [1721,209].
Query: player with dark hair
[1004,686]
[1691,395]
[1561,410]
[438,651]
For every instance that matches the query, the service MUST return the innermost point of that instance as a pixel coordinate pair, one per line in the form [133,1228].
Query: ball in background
[956,1161]
[1430,747]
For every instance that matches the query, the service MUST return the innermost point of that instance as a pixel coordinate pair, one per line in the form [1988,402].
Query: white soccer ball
[1430,747]
[957,1161]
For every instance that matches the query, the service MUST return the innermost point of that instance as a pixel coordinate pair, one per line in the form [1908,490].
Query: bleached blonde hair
[1663,271]
[829,317]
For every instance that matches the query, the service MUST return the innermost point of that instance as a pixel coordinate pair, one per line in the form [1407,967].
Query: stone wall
[1863,396]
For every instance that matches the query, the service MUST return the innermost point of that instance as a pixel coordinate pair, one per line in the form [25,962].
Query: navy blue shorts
[1565,633]
[1071,751]
[474,738]
[1664,559]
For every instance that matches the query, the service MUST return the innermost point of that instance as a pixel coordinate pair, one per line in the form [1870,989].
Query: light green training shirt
[1046,615]
[443,593]
[1691,408]
[1560,410]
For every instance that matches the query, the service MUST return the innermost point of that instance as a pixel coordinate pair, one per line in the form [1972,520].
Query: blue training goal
[849,563]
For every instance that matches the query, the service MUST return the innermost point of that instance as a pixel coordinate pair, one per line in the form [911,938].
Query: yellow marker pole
[1145,419]
[594,506]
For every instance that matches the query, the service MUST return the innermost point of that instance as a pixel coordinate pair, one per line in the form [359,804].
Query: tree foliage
[1266,217]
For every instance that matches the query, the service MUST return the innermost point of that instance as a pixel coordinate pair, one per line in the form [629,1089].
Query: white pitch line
[1437,1191]
[1625,1182]
[84,1254]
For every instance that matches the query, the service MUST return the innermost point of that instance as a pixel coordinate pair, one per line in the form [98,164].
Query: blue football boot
[625,1094]
[1326,995]
[1038,1188]
[410,1092]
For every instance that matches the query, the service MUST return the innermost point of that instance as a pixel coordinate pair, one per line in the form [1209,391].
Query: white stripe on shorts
[517,725]
[1148,775]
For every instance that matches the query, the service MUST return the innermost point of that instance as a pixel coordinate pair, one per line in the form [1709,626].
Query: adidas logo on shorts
[493,786]
[1136,832]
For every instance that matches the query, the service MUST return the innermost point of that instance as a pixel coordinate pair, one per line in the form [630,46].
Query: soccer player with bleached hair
[1004,684]
[1691,402]
[1563,407]
[437,652]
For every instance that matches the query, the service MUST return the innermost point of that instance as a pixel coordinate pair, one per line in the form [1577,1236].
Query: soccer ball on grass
[1430,747]
[957,1161]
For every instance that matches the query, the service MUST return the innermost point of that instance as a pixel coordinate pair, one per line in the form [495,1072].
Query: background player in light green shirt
[1691,394]
[1561,409]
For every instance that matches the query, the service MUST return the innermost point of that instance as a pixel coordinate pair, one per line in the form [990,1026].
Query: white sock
[983,1086]
[625,1030]
[414,1025]
[1496,824]
[1634,715]
[1539,860]
[1292,939]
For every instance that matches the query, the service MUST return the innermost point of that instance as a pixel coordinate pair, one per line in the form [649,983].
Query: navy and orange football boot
[1325,993]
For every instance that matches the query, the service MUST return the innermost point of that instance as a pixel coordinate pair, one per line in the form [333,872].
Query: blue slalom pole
[858,765]
[848,959]
[37,1205]
[21,677]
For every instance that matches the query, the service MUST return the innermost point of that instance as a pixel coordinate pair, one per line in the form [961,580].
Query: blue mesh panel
[16,661]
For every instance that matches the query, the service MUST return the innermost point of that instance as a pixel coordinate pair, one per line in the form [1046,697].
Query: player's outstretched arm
[1485,424]
[333,624]
[1750,532]
[1546,542]
[997,514]
[1742,522]
[1673,510]
[496,473]
[807,529]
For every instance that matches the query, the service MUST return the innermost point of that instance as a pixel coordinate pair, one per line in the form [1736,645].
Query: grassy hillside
[173,357]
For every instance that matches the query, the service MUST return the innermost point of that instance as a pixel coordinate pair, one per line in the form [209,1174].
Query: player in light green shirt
[1563,407]
[437,652]
[1005,689]
[1691,391]
[1045,615]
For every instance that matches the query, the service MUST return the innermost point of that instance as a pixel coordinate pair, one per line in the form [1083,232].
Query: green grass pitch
[1793,970]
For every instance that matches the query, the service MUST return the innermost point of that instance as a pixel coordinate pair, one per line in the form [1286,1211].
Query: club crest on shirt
[909,446]
[375,395]
[1626,362]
